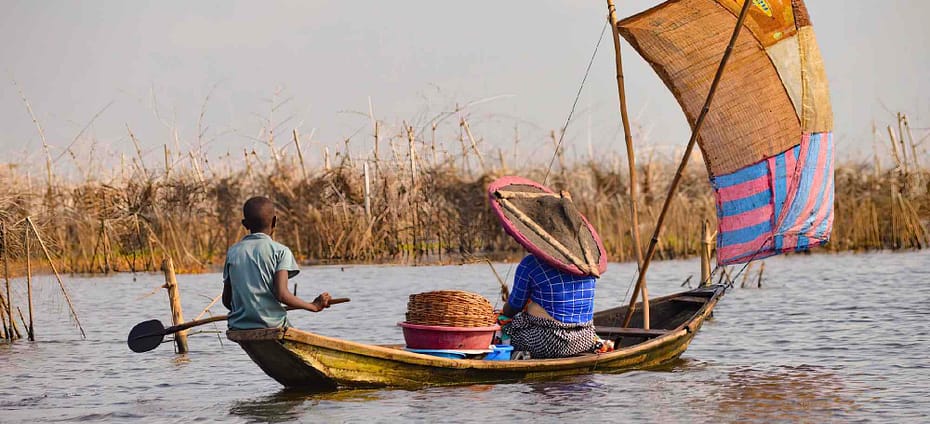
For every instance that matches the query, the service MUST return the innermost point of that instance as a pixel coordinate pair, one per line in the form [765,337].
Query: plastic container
[436,337]
[500,353]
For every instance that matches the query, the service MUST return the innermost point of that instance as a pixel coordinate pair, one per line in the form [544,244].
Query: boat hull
[301,359]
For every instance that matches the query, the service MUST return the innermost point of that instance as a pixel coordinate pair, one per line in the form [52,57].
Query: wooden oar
[147,335]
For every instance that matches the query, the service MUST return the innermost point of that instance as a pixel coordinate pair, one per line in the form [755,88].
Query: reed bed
[409,205]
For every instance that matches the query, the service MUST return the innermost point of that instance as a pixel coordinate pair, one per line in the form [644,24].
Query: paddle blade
[146,336]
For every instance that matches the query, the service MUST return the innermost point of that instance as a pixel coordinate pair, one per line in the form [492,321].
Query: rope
[574,104]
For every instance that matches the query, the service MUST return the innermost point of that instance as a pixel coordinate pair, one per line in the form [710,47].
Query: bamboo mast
[631,160]
[687,155]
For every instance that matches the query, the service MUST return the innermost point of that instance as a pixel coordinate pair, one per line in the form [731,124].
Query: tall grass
[423,207]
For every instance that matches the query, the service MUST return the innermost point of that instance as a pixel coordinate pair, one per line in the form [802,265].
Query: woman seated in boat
[552,311]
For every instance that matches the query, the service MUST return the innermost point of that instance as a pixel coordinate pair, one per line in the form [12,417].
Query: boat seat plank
[632,332]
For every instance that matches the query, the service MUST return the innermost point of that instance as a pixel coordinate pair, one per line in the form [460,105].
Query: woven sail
[767,139]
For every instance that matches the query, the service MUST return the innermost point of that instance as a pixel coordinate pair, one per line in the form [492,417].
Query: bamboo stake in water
[687,156]
[6,276]
[61,284]
[631,161]
[30,330]
[174,297]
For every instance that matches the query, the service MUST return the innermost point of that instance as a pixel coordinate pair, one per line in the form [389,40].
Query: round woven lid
[548,225]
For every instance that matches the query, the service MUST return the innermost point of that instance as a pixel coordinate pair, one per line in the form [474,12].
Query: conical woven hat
[548,225]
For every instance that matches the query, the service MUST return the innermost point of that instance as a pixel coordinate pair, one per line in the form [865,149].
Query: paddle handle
[197,322]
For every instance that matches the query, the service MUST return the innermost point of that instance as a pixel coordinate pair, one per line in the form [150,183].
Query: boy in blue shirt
[256,274]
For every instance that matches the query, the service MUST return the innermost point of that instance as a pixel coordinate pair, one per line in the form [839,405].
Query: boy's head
[258,215]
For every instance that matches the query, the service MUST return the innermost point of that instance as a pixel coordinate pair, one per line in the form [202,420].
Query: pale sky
[414,59]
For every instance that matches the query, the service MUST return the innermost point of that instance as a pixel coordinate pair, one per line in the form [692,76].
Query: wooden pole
[61,284]
[631,160]
[300,154]
[174,297]
[29,328]
[4,329]
[6,276]
[474,144]
[706,241]
[367,191]
[687,155]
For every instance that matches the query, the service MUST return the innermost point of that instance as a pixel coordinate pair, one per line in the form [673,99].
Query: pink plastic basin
[436,337]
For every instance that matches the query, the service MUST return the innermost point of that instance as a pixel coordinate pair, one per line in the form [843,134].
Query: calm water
[826,339]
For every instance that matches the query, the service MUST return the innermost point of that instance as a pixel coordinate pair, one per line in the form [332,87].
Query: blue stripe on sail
[746,204]
[779,184]
[804,186]
[748,173]
[821,230]
[821,189]
[780,188]
[803,243]
[745,235]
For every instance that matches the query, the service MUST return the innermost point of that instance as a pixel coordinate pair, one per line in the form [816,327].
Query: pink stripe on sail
[762,243]
[744,189]
[812,191]
[789,242]
[746,219]
[825,206]
[792,174]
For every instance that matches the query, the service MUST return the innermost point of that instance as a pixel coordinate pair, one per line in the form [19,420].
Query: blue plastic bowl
[500,353]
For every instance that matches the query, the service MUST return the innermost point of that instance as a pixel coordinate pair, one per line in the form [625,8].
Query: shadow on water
[291,404]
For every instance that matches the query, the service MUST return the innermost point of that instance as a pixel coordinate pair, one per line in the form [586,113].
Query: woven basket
[450,308]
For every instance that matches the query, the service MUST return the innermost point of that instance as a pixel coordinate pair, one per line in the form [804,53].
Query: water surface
[828,338]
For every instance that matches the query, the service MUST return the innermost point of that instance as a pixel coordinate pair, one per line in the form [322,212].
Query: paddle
[147,335]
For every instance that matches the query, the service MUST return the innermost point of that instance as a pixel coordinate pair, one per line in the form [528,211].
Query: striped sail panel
[781,204]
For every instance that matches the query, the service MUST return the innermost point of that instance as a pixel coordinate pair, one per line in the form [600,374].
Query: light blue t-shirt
[250,267]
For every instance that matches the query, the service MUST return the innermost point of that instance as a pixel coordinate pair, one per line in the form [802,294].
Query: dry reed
[415,207]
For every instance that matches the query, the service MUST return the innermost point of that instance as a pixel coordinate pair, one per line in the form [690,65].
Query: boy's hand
[322,301]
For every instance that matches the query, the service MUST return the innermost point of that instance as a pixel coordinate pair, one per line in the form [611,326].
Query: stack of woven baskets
[450,308]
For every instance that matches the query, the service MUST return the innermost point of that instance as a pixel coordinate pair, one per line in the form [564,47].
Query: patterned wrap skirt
[545,338]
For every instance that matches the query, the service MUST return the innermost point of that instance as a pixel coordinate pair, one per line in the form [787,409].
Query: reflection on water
[808,347]
[801,393]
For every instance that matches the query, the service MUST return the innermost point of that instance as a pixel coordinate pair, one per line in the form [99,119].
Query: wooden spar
[174,297]
[631,160]
[29,328]
[684,160]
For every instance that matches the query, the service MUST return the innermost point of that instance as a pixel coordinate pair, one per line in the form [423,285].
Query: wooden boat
[301,359]
[769,157]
